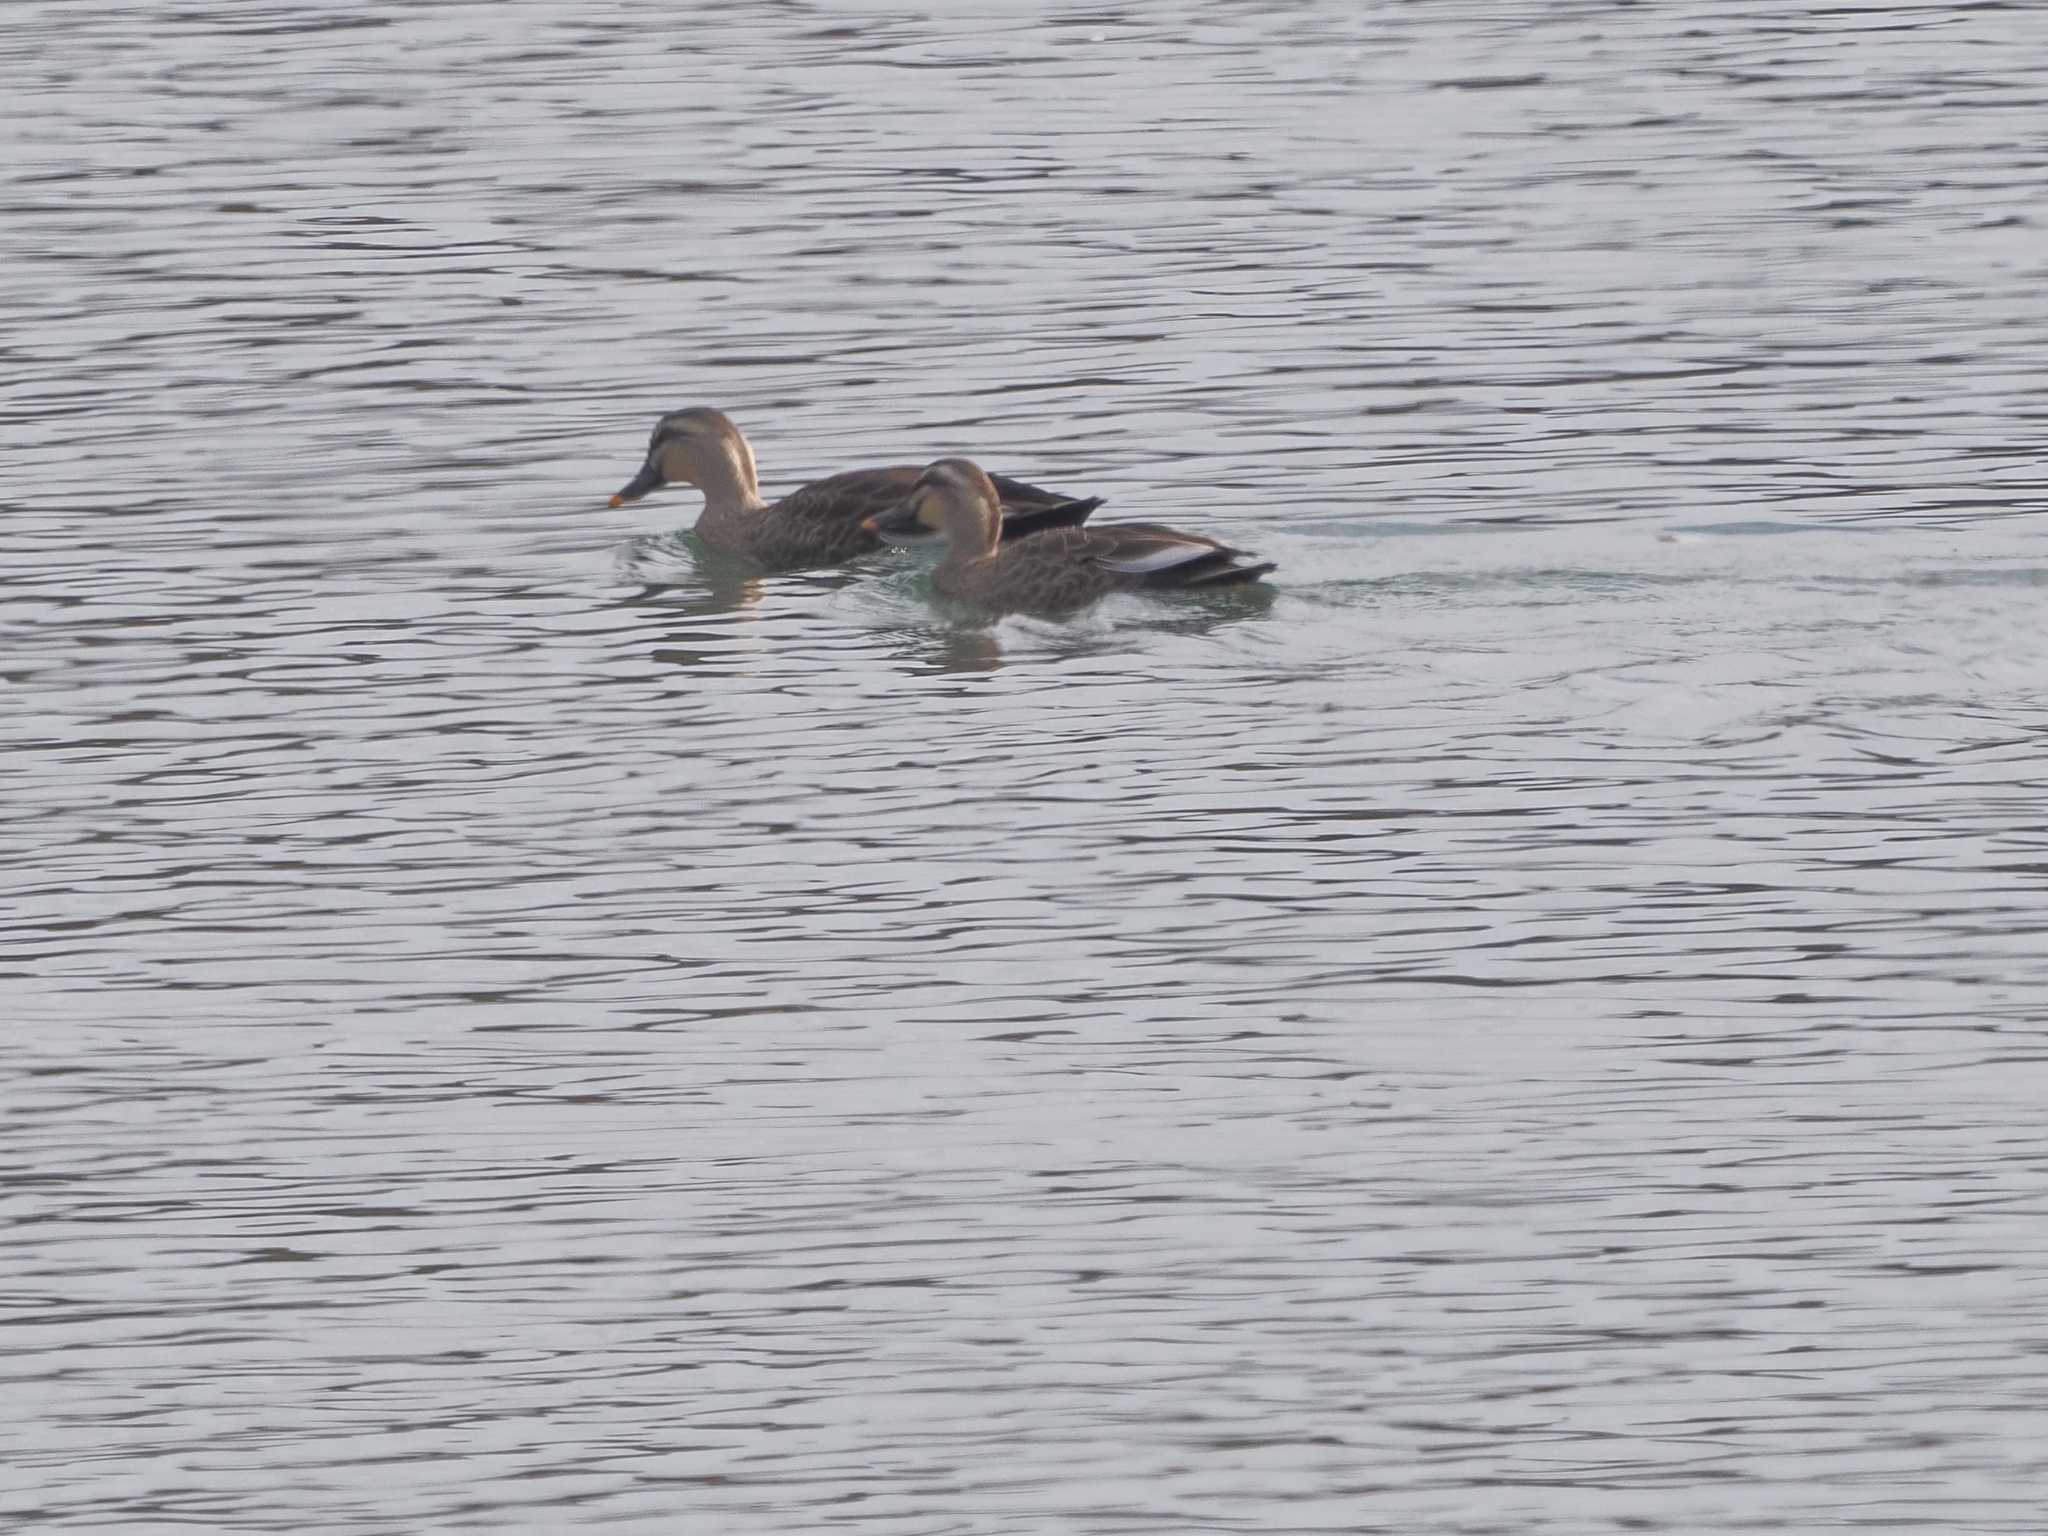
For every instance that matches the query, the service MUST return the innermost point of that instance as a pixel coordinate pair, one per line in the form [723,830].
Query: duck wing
[820,523]
[822,520]
[1023,496]
[1153,555]
[1021,521]
[846,497]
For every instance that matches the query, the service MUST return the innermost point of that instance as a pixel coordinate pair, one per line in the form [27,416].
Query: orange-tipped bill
[649,479]
[898,525]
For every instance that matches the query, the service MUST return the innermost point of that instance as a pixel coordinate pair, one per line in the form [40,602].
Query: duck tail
[1230,575]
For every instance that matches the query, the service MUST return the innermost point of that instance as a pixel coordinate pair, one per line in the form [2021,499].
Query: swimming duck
[822,523]
[1060,568]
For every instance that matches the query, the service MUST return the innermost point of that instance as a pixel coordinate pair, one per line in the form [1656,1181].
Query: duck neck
[730,494]
[972,536]
[957,562]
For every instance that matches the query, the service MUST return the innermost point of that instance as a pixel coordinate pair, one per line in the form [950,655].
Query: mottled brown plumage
[1055,570]
[822,523]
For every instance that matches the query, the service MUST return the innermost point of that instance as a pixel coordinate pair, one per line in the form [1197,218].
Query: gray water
[1541,1026]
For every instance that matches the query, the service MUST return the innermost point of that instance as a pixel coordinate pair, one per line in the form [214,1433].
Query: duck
[1055,569]
[822,523]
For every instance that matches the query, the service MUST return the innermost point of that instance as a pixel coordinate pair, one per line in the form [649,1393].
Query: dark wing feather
[1153,555]
[1024,496]
[1021,522]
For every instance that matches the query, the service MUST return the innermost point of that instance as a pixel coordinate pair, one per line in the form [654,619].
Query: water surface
[1537,1027]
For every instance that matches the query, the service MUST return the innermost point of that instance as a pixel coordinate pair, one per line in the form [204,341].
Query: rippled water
[1537,1027]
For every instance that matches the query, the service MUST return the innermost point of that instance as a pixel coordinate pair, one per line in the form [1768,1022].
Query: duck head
[698,446]
[953,499]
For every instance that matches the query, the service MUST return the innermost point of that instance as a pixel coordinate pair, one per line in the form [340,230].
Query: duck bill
[898,525]
[649,479]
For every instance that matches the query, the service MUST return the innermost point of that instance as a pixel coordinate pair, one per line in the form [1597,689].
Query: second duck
[1047,572]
